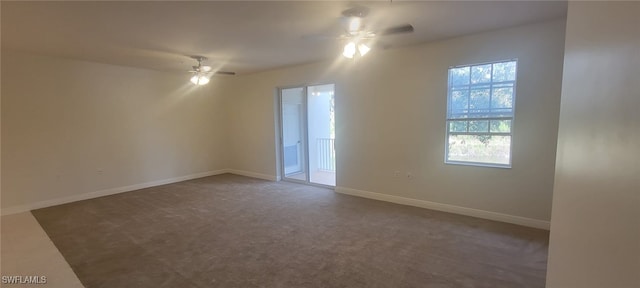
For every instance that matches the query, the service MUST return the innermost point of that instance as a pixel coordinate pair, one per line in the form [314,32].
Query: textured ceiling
[239,36]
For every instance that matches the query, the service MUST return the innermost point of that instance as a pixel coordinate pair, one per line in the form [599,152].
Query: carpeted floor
[234,231]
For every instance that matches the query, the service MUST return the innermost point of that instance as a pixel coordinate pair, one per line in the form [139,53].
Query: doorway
[307,119]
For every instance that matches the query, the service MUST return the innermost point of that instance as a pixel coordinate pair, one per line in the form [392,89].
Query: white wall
[595,227]
[71,127]
[390,115]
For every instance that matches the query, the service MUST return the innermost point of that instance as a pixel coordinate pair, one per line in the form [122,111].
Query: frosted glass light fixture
[199,79]
[363,49]
[350,50]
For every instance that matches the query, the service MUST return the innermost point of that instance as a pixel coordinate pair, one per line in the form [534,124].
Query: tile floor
[28,251]
[318,177]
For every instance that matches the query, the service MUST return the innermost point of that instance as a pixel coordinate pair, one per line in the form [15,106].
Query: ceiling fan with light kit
[203,73]
[360,40]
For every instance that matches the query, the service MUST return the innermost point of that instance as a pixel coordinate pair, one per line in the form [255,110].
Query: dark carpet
[234,231]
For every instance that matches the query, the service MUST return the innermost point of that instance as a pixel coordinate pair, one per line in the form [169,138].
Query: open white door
[293,133]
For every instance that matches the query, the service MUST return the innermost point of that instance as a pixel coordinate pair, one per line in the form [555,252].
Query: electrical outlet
[409,175]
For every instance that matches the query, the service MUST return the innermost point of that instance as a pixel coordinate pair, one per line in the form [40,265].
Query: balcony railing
[326,154]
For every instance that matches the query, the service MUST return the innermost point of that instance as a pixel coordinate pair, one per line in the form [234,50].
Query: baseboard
[106,192]
[535,223]
[529,222]
[252,174]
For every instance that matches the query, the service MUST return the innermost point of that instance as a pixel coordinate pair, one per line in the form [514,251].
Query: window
[480,113]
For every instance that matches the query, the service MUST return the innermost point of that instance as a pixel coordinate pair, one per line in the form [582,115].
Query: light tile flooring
[319,177]
[28,251]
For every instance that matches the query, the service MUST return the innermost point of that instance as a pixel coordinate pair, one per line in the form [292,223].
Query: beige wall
[595,228]
[391,116]
[68,129]
[72,127]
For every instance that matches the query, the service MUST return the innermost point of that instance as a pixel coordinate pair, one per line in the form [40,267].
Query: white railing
[326,154]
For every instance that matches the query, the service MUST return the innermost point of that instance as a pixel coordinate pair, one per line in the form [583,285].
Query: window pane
[480,148]
[502,97]
[501,126]
[479,126]
[459,76]
[505,71]
[479,101]
[459,101]
[458,126]
[481,74]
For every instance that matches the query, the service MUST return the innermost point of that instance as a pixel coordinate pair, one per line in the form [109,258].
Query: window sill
[478,164]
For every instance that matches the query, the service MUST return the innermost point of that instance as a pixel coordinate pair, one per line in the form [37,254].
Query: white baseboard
[252,174]
[529,222]
[541,224]
[106,192]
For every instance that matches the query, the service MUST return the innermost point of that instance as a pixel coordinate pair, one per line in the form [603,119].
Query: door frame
[304,137]
[305,121]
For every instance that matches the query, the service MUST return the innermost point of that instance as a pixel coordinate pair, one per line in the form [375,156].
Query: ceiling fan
[357,34]
[202,73]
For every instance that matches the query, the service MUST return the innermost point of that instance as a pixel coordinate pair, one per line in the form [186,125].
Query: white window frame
[512,117]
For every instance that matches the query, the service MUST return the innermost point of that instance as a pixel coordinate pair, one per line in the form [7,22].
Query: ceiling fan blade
[225,73]
[320,37]
[396,30]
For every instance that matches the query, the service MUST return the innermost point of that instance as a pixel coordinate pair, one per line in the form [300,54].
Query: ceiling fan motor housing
[358,11]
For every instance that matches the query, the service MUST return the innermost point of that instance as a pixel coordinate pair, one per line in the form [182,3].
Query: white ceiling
[240,36]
